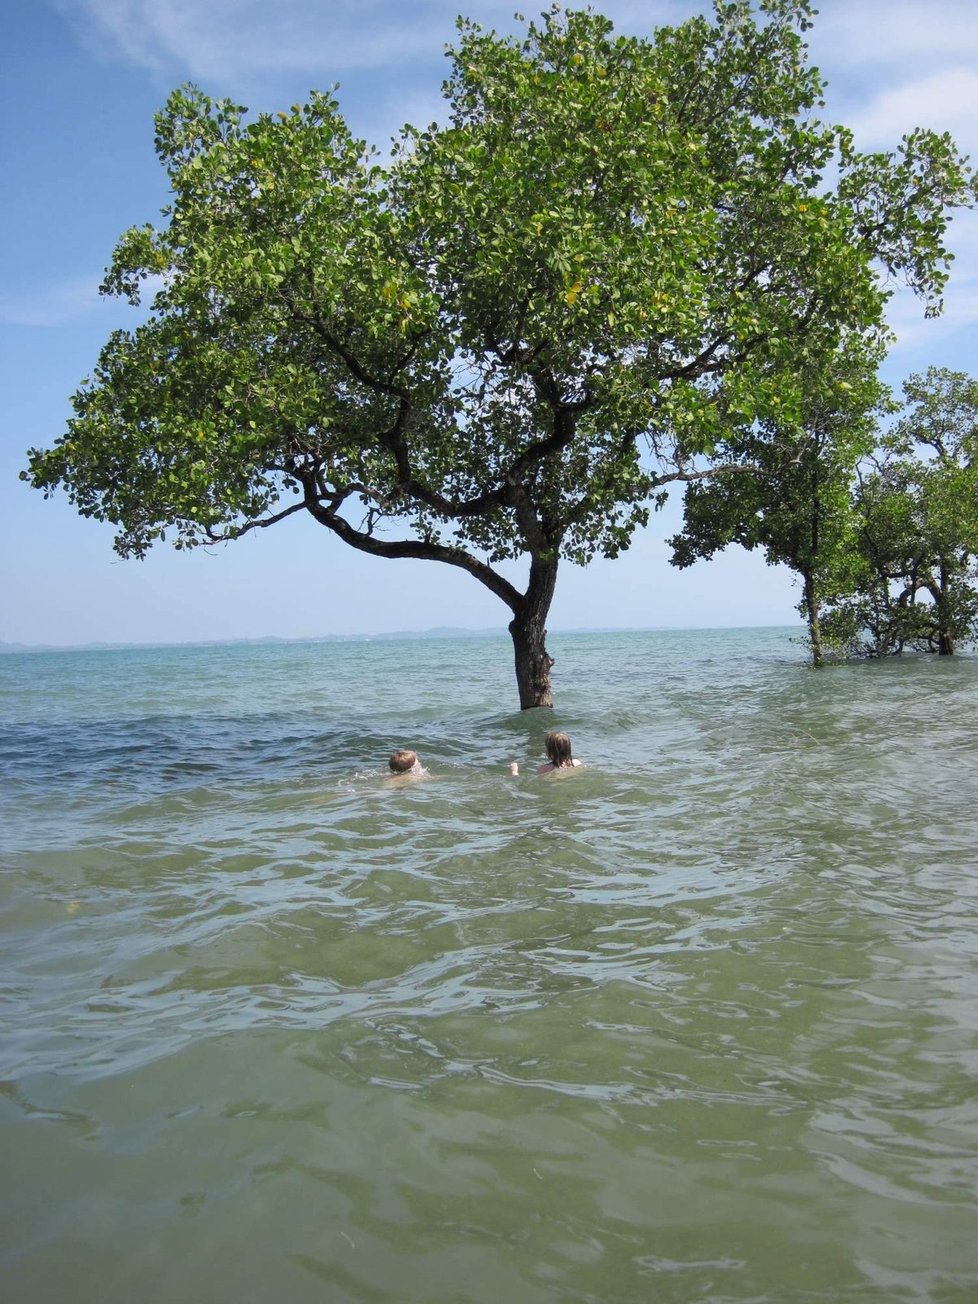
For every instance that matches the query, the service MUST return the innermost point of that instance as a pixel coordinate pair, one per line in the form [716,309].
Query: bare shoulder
[407,780]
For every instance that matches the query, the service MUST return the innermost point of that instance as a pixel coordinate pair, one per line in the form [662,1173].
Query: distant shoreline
[395,636]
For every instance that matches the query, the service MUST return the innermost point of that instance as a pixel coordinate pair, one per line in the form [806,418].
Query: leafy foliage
[796,501]
[915,581]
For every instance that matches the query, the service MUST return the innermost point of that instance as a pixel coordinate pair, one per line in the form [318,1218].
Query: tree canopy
[503,343]
[879,522]
[913,567]
[793,494]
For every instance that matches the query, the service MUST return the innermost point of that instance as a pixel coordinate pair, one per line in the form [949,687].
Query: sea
[696,1021]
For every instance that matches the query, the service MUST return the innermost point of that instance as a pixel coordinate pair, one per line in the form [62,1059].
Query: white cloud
[892,64]
[907,32]
[233,40]
[943,101]
[960,315]
[949,338]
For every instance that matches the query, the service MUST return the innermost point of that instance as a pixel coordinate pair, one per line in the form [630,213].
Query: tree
[789,486]
[503,344]
[917,542]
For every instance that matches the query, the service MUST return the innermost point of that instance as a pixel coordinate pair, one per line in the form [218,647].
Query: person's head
[403,760]
[558,747]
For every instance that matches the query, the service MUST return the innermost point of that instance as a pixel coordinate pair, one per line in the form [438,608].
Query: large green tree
[501,345]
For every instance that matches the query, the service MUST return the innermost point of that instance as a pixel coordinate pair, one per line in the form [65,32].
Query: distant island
[445,632]
[441,631]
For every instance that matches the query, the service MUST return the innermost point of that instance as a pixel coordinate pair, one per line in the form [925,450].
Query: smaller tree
[792,496]
[915,573]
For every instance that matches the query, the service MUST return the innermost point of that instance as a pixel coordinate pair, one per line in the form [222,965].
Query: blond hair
[403,760]
[558,747]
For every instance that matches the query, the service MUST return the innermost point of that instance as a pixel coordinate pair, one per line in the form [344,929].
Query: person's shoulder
[406,779]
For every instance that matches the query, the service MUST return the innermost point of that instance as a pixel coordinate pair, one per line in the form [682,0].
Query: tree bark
[814,628]
[811,596]
[945,634]
[944,630]
[529,634]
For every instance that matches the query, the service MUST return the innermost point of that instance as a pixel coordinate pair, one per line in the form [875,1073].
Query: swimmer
[558,747]
[405,762]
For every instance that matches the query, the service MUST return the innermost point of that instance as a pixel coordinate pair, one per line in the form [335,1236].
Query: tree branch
[671,477]
[236,531]
[327,514]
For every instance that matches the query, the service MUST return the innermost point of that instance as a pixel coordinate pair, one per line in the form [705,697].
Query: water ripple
[696,1022]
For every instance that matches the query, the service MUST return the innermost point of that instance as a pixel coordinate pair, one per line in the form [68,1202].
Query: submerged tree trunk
[533,664]
[808,576]
[529,633]
[944,634]
[814,628]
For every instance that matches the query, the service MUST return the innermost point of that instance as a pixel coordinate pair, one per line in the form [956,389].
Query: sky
[81,82]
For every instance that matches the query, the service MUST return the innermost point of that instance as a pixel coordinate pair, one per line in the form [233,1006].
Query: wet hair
[558,747]
[403,760]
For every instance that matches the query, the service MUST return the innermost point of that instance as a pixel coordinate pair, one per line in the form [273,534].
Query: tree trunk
[945,634]
[811,596]
[528,630]
[942,629]
[814,628]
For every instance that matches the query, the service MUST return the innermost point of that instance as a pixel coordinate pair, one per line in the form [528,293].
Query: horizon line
[435,631]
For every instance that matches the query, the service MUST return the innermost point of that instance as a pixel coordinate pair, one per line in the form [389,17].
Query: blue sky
[82,79]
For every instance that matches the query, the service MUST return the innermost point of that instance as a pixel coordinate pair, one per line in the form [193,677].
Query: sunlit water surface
[698,1022]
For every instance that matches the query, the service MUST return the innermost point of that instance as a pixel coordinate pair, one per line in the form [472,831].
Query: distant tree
[792,493]
[916,583]
[504,343]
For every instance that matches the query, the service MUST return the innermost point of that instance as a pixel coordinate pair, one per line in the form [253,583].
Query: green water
[698,1022]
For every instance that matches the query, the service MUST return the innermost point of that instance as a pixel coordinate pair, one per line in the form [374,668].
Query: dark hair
[403,760]
[558,748]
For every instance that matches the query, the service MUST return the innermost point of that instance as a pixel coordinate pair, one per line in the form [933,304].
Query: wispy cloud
[70,300]
[894,64]
[944,339]
[909,33]
[958,323]
[944,101]
[234,40]
[55,304]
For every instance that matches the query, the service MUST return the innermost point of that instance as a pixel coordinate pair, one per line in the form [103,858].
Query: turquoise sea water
[698,1022]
